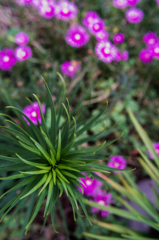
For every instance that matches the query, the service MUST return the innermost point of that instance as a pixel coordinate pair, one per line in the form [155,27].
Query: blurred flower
[89,17]
[7,59]
[133,2]
[106,51]
[125,55]
[134,15]
[21,38]
[157,1]
[47,10]
[146,55]
[70,68]
[77,36]
[24,2]
[65,10]
[120,3]
[104,199]
[90,187]
[33,112]
[117,162]
[96,25]
[156,147]
[22,53]
[118,38]
[119,56]
[150,38]
[102,35]
[155,50]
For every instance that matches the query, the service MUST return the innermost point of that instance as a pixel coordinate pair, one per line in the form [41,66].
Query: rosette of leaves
[45,162]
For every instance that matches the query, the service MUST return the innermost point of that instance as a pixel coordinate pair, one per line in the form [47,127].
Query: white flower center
[77,36]
[71,68]
[116,164]
[21,39]
[65,10]
[156,50]
[107,50]
[96,26]
[157,151]
[88,182]
[21,53]
[151,41]
[6,59]
[33,114]
[101,202]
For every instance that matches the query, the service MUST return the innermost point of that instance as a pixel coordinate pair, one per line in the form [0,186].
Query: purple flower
[70,68]
[134,15]
[133,2]
[120,3]
[119,56]
[125,55]
[7,59]
[47,10]
[33,112]
[104,199]
[102,35]
[77,36]
[146,55]
[89,17]
[156,147]
[117,162]
[155,50]
[22,53]
[24,2]
[118,38]
[150,38]
[96,25]
[106,51]
[90,187]
[21,38]
[65,10]
[157,1]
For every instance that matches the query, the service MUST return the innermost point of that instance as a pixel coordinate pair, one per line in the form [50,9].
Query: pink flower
[120,3]
[33,112]
[106,51]
[47,10]
[22,53]
[89,17]
[21,38]
[118,56]
[90,187]
[104,199]
[77,36]
[125,55]
[70,68]
[24,2]
[117,162]
[7,59]
[96,25]
[102,35]
[65,10]
[157,1]
[118,38]
[133,2]
[155,51]
[150,38]
[146,55]
[134,15]
[156,147]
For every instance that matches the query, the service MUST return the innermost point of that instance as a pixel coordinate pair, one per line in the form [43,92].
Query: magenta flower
[21,38]
[133,2]
[89,17]
[22,53]
[134,15]
[77,36]
[90,187]
[24,2]
[155,51]
[47,10]
[70,68]
[156,147]
[96,25]
[106,51]
[117,162]
[120,3]
[119,56]
[104,199]
[102,35]
[33,112]
[157,1]
[65,10]
[7,59]
[150,38]
[125,55]
[118,38]
[146,55]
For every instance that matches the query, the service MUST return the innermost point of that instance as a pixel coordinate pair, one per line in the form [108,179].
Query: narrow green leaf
[50,190]
[49,176]
[58,156]
[65,132]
